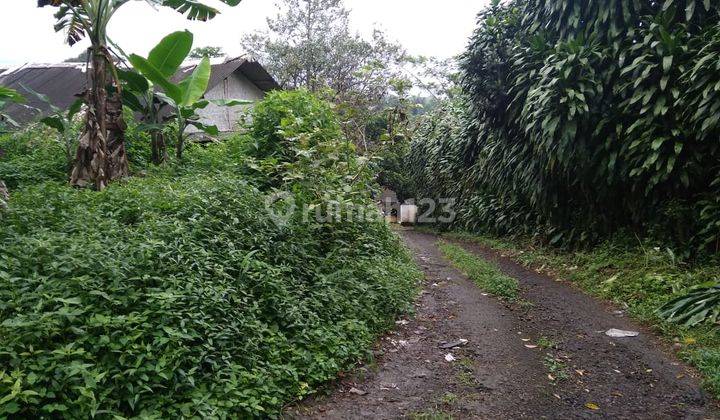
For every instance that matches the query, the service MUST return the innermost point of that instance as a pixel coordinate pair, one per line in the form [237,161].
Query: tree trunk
[4,196]
[100,155]
[117,161]
[91,156]
[180,146]
[159,150]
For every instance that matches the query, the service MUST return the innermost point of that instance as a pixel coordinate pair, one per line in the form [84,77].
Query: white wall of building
[236,86]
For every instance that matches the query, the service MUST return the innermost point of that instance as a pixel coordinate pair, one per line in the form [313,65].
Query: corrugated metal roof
[62,82]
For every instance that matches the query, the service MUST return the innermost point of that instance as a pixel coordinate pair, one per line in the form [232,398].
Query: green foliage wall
[584,117]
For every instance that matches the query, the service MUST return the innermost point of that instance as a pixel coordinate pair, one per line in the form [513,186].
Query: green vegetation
[640,278]
[101,156]
[546,343]
[178,295]
[700,305]
[592,128]
[433,414]
[577,122]
[557,369]
[8,96]
[185,97]
[486,275]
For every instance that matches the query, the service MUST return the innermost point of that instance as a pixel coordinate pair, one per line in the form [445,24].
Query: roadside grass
[546,343]
[557,369]
[638,277]
[486,275]
[430,415]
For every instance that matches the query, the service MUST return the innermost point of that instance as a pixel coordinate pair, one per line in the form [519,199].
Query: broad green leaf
[209,129]
[230,102]
[134,81]
[193,88]
[148,70]
[11,94]
[170,53]
[667,63]
[690,10]
[55,122]
[75,108]
[131,101]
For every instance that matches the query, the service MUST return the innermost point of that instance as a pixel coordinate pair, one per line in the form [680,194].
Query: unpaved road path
[499,373]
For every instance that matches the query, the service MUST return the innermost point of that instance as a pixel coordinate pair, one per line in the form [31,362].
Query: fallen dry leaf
[592,406]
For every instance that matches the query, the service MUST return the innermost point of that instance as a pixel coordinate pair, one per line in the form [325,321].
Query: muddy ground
[545,357]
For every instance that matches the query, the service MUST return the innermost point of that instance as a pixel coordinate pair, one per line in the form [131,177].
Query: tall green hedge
[583,117]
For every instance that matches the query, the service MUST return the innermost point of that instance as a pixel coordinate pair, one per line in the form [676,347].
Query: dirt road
[546,357]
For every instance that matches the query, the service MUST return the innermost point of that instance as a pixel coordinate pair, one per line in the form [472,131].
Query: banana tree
[60,120]
[140,96]
[185,97]
[100,155]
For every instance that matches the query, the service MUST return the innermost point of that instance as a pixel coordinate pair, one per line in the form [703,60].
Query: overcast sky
[425,27]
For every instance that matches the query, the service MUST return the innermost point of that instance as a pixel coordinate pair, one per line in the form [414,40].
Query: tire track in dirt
[495,375]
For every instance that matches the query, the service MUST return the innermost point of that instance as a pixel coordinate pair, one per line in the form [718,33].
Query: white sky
[425,27]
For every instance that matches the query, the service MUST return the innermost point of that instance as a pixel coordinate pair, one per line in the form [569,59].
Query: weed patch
[483,273]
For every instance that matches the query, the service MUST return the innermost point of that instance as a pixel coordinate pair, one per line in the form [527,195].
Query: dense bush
[31,156]
[582,118]
[288,120]
[36,153]
[176,295]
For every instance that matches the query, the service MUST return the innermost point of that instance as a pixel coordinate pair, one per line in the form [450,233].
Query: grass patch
[546,343]
[557,369]
[430,415]
[640,277]
[485,274]
[449,398]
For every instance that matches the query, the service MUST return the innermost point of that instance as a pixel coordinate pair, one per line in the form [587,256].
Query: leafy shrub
[31,156]
[700,305]
[176,295]
[290,120]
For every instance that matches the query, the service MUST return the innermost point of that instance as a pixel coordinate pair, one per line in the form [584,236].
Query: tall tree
[309,44]
[100,155]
